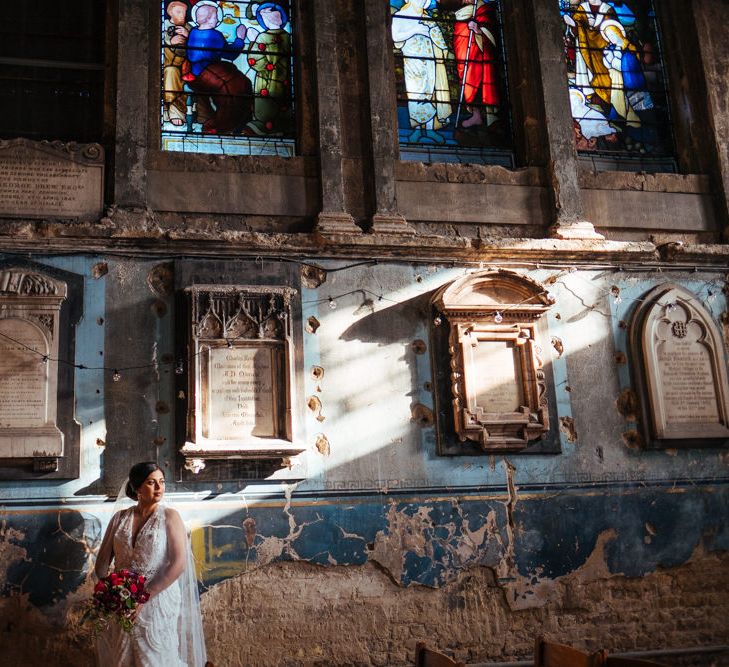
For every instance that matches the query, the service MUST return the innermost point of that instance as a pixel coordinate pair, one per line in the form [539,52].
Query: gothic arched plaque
[679,370]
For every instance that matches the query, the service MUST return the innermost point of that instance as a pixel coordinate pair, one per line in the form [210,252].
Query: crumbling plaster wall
[376,509]
[298,614]
[471,616]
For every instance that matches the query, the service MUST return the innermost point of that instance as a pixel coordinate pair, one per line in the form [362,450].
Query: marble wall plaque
[687,379]
[240,385]
[680,370]
[51,179]
[23,376]
[497,387]
[30,305]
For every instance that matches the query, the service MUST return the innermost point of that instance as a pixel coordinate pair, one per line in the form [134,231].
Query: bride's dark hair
[137,474]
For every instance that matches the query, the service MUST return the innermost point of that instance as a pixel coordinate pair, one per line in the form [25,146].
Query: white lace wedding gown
[168,628]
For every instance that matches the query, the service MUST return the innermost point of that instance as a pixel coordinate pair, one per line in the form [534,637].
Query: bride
[150,539]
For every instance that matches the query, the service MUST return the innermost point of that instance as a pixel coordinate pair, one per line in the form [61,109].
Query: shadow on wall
[47,555]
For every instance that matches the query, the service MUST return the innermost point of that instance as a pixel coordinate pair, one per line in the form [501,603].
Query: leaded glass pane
[227,77]
[617,83]
[450,71]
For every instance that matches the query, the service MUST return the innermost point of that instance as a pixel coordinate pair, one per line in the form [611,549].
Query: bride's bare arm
[106,550]
[176,550]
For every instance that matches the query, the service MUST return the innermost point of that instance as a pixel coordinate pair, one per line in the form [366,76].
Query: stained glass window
[617,82]
[227,77]
[450,72]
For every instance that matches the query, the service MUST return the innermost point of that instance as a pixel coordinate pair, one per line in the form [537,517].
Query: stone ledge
[144,231]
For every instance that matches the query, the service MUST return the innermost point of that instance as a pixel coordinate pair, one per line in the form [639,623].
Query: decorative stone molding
[30,306]
[497,382]
[240,380]
[581,230]
[679,369]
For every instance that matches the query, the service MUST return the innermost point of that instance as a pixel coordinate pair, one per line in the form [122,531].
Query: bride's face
[152,489]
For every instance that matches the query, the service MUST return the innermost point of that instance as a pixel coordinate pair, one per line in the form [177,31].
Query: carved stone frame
[53,302]
[240,319]
[665,308]
[497,308]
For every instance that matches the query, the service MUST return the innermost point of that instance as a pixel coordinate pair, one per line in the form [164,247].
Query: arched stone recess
[679,370]
[492,381]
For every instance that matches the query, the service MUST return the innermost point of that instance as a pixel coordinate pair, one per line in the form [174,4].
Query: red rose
[124,573]
[269,67]
[261,47]
[140,579]
[99,587]
[133,588]
[251,61]
[264,92]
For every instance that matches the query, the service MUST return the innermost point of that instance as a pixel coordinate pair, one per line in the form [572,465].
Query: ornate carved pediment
[497,381]
[29,283]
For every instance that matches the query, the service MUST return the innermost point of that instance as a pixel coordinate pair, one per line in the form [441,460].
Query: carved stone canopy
[233,312]
[498,389]
[679,369]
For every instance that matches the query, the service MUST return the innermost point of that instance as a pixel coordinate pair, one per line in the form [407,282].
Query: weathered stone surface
[51,179]
[667,211]
[232,193]
[482,203]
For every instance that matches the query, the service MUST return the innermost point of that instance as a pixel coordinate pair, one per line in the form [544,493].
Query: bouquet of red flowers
[117,598]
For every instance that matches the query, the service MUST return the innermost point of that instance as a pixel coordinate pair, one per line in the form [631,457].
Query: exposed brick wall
[299,615]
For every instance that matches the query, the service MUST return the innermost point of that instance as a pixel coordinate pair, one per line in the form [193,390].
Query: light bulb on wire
[615,291]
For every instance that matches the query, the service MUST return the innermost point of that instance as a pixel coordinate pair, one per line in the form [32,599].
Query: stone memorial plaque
[240,381]
[681,370]
[240,394]
[51,179]
[687,381]
[497,385]
[23,376]
[30,306]
[497,391]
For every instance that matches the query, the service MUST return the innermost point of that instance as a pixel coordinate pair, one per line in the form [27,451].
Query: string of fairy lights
[712,288]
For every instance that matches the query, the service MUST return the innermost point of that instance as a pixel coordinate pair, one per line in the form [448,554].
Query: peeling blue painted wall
[382,494]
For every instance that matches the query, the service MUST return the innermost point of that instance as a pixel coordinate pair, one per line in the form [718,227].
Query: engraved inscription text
[240,391]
